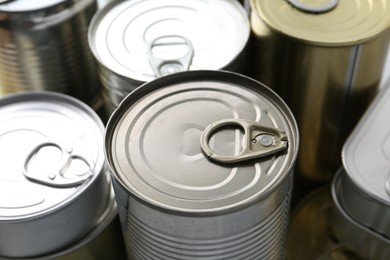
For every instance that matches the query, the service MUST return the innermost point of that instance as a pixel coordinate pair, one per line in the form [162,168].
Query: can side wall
[52,56]
[258,230]
[327,89]
[358,238]
[37,236]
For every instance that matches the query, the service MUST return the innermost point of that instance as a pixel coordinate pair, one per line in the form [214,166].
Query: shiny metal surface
[43,46]
[37,218]
[104,241]
[366,160]
[310,234]
[327,67]
[361,239]
[173,200]
[122,32]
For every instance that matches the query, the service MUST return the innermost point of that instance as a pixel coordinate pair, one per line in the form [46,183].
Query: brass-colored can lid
[325,22]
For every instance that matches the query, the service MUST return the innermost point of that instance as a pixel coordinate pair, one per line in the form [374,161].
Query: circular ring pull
[260,140]
[314,9]
[163,67]
[57,177]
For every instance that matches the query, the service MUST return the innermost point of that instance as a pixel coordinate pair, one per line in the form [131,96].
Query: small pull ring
[163,67]
[261,140]
[56,178]
[331,4]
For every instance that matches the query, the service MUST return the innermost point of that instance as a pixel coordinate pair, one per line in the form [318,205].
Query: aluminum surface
[366,160]
[38,215]
[104,241]
[122,32]
[184,104]
[357,237]
[327,67]
[175,202]
[44,46]
[310,234]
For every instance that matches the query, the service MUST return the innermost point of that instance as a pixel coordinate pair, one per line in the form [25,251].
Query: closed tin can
[104,241]
[202,165]
[310,234]
[325,59]
[44,46]
[137,41]
[366,242]
[366,160]
[53,181]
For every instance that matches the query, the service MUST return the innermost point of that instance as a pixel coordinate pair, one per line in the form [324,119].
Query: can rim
[336,186]
[145,88]
[106,9]
[329,44]
[99,164]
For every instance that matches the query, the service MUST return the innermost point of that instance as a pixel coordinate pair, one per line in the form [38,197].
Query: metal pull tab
[261,140]
[163,67]
[315,9]
[57,177]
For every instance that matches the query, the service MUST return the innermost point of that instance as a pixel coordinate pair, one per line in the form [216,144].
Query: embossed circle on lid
[153,141]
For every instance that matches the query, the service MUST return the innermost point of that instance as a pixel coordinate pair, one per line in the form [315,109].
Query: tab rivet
[266,140]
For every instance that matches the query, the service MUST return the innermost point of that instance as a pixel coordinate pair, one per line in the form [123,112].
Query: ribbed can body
[47,49]
[255,232]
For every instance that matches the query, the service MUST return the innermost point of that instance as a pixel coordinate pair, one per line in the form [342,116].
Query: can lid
[366,152]
[28,5]
[342,22]
[128,37]
[153,142]
[51,149]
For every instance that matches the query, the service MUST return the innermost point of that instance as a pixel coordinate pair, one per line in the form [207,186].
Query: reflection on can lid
[120,34]
[348,22]
[366,153]
[51,150]
[153,141]
[28,5]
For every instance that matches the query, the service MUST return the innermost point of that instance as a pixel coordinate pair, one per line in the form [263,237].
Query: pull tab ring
[314,9]
[261,140]
[56,178]
[163,67]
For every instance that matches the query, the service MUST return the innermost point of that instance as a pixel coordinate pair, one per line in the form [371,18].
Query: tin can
[366,188]
[53,181]
[104,241]
[363,240]
[138,41]
[44,46]
[325,59]
[202,165]
[310,234]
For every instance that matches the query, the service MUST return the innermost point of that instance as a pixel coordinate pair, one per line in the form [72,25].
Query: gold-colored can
[310,235]
[325,58]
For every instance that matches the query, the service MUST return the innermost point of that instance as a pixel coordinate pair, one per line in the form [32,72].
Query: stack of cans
[361,189]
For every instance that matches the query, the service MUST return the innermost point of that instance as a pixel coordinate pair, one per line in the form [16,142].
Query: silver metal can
[325,59]
[366,160]
[202,165]
[104,241]
[363,240]
[137,41]
[53,181]
[44,46]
